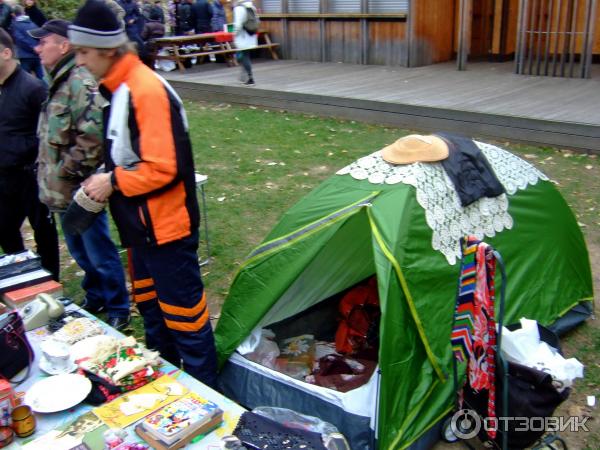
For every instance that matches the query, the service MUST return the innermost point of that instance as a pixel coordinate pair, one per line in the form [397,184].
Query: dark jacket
[24,43]
[201,15]
[148,150]
[469,170]
[5,16]
[21,99]
[153,29]
[134,20]
[36,15]
[186,16]
[219,18]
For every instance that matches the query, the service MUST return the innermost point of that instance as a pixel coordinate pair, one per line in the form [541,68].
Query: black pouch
[16,353]
[259,432]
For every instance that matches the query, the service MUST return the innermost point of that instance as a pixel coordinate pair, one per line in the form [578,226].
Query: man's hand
[98,187]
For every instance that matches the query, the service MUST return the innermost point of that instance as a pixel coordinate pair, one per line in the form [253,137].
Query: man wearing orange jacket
[150,184]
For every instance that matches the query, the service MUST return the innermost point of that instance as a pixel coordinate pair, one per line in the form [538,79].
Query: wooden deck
[487,100]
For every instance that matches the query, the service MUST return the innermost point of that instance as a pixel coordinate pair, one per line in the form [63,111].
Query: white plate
[57,393]
[51,370]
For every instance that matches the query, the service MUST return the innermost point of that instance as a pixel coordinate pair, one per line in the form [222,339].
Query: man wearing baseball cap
[150,185]
[70,133]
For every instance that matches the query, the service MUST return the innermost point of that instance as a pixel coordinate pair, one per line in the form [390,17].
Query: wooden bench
[208,44]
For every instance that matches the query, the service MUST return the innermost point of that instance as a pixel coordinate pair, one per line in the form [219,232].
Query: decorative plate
[57,393]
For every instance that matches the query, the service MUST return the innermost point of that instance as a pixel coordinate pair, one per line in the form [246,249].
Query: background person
[219,17]
[152,192]
[243,40]
[5,15]
[201,16]
[70,133]
[24,43]
[20,103]
[36,15]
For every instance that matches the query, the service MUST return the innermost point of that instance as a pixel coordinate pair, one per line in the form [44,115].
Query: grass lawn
[259,162]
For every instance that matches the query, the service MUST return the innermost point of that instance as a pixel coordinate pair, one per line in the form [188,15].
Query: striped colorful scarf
[474,331]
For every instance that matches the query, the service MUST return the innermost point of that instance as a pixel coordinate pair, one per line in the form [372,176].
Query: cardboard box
[20,297]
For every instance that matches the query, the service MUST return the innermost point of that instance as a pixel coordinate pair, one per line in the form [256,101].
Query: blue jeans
[104,279]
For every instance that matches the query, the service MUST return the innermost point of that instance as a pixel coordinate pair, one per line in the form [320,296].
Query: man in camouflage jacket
[70,135]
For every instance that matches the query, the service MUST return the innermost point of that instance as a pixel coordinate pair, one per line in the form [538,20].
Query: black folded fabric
[469,170]
[77,219]
[258,432]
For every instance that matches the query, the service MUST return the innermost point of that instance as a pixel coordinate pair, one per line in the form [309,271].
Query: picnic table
[202,45]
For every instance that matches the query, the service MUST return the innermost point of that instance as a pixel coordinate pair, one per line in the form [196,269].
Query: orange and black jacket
[149,153]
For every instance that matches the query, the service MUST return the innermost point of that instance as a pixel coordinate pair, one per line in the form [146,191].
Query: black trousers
[18,200]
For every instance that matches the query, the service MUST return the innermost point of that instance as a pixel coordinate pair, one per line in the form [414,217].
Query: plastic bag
[266,351]
[524,346]
[332,438]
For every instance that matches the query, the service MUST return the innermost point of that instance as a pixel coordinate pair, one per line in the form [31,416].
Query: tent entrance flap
[344,260]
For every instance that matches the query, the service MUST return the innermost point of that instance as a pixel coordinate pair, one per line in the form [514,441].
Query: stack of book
[21,270]
[178,423]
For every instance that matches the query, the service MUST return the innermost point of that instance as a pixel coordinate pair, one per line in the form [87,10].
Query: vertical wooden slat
[410,31]
[518,52]
[364,32]
[590,39]
[285,30]
[322,35]
[533,11]
[538,50]
[548,35]
[464,34]
[573,43]
[567,38]
[556,37]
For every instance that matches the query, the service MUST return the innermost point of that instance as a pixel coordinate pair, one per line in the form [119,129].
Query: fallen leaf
[588,167]
[221,199]
[530,156]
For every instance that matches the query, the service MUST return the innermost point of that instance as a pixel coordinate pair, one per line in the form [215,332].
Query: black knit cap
[96,26]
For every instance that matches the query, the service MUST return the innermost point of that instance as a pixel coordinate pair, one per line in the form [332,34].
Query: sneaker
[118,323]
[250,82]
[91,308]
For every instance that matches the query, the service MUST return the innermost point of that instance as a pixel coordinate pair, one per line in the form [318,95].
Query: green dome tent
[402,224]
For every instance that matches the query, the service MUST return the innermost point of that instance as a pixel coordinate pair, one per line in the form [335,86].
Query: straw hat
[415,148]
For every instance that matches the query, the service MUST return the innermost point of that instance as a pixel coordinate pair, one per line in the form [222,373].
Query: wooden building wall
[351,39]
[431,35]
[427,34]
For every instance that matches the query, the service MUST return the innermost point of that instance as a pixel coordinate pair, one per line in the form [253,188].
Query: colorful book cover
[172,421]
[134,405]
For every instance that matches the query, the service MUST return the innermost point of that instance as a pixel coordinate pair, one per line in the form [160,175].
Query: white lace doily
[448,220]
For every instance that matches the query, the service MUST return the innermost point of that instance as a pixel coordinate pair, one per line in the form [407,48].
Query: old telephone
[38,312]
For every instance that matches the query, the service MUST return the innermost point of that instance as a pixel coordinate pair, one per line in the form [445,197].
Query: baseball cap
[54,26]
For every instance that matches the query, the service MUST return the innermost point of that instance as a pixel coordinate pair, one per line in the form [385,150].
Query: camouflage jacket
[70,133]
